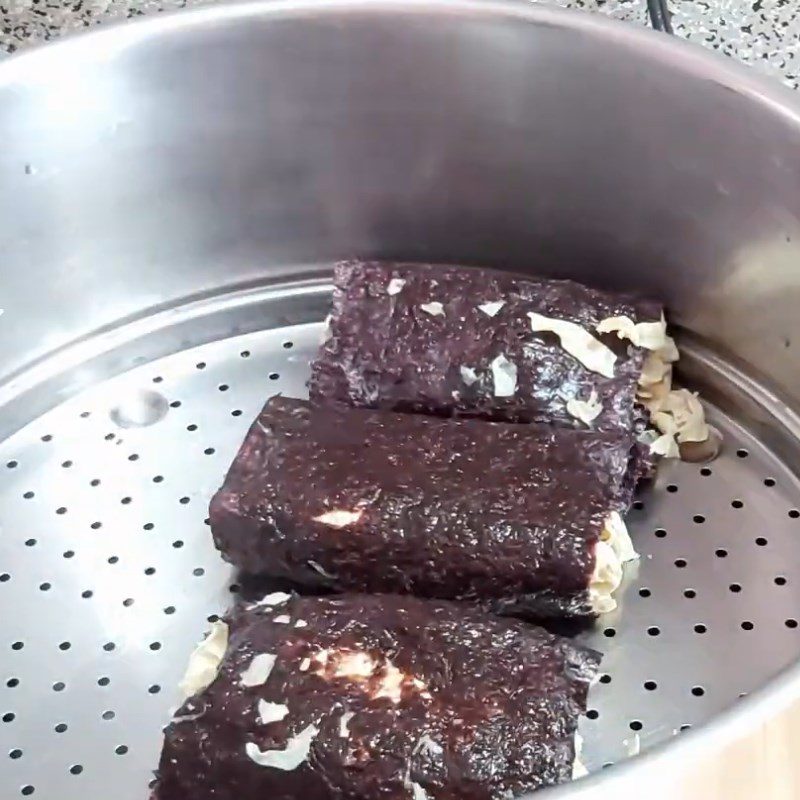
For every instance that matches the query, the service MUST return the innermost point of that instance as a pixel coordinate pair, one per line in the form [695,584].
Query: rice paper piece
[384,354]
[451,508]
[344,737]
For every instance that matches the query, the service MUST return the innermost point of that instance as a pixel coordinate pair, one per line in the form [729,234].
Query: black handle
[660,17]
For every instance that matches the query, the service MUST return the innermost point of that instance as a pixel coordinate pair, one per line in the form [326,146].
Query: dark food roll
[445,340]
[524,517]
[374,698]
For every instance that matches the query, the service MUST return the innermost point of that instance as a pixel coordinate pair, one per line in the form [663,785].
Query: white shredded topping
[426,743]
[189,717]
[468,375]
[669,352]
[272,599]
[605,579]
[271,712]
[586,411]
[305,664]
[666,446]
[677,414]
[653,395]
[435,309]
[647,436]
[579,343]
[318,568]
[291,757]
[650,335]
[382,677]
[327,332]
[282,619]
[339,518]
[205,660]
[264,429]
[504,375]
[656,378]
[654,371]
[616,534]
[686,411]
[417,792]
[578,769]
[344,720]
[258,671]
[301,623]
[492,308]
[395,286]
[612,550]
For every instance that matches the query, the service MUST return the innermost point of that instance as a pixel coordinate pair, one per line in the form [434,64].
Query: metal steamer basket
[172,194]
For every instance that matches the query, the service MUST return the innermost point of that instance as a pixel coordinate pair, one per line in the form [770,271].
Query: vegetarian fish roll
[524,517]
[374,698]
[457,340]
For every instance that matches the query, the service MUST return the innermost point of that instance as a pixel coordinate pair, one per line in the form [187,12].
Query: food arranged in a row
[471,436]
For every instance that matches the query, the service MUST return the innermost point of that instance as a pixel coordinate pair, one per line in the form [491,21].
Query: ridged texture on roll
[378,698]
[375,501]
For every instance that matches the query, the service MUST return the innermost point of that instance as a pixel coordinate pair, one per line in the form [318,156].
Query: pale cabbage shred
[344,721]
[676,413]
[271,599]
[468,375]
[288,759]
[586,411]
[504,376]
[205,660]
[613,549]
[578,768]
[271,712]
[259,670]
[434,308]
[395,286]
[491,308]
[578,342]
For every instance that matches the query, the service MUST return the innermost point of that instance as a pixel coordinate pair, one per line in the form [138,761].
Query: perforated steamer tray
[108,574]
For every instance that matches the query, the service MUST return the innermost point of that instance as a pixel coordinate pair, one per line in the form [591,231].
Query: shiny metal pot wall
[164,159]
[148,168]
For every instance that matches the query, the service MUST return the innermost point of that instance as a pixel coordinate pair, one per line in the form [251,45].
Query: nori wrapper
[449,508]
[386,351]
[410,700]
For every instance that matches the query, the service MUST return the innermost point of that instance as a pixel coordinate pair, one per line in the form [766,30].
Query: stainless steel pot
[170,193]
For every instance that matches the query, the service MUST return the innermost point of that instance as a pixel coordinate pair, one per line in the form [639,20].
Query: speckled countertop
[764,33]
